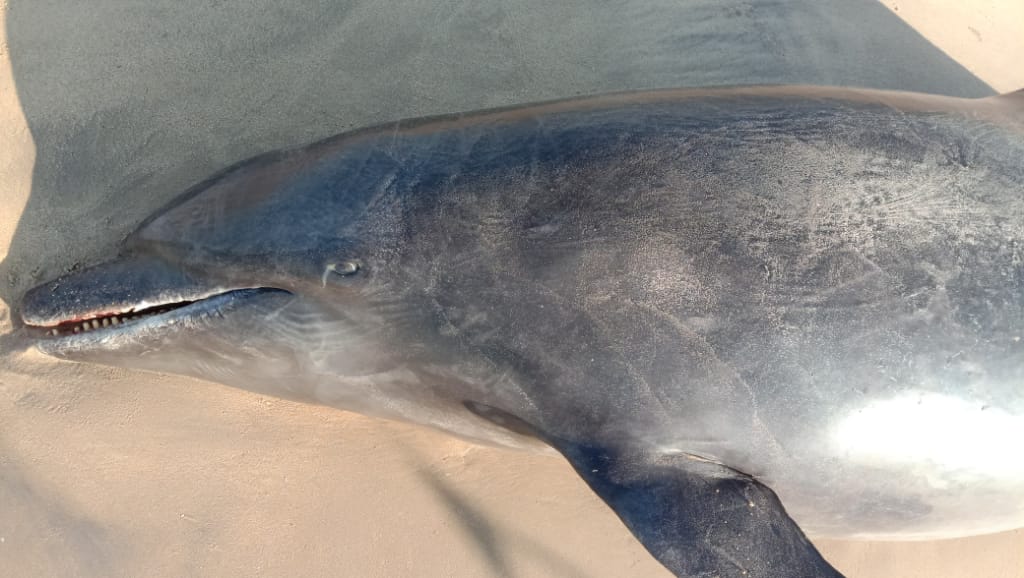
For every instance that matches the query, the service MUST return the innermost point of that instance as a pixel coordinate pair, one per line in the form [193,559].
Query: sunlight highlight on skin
[951,439]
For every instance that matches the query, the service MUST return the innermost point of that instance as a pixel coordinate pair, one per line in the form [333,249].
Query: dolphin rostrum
[712,302]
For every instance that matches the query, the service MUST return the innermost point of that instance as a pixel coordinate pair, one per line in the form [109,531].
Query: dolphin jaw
[120,312]
[122,320]
[97,333]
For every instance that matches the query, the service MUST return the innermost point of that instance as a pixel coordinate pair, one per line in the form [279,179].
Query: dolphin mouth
[110,304]
[144,311]
[111,328]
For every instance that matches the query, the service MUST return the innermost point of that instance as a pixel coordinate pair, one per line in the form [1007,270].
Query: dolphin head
[265,272]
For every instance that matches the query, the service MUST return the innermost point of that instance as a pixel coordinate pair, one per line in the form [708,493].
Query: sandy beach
[110,110]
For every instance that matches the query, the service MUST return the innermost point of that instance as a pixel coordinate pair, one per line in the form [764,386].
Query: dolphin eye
[346,268]
[341,269]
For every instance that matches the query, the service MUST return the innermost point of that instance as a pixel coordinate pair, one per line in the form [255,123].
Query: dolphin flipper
[700,518]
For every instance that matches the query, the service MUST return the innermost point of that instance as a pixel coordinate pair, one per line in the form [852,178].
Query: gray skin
[694,296]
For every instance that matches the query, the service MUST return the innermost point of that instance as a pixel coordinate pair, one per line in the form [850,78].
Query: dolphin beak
[110,293]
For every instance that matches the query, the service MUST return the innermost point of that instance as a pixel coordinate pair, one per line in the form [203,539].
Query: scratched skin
[713,282]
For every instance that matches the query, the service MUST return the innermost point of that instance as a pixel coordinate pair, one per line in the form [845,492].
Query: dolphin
[740,314]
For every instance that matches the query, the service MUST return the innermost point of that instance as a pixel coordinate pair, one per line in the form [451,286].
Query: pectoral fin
[699,518]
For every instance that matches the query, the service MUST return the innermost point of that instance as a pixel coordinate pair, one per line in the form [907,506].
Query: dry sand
[109,109]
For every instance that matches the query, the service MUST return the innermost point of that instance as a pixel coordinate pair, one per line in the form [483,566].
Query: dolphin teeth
[111,320]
